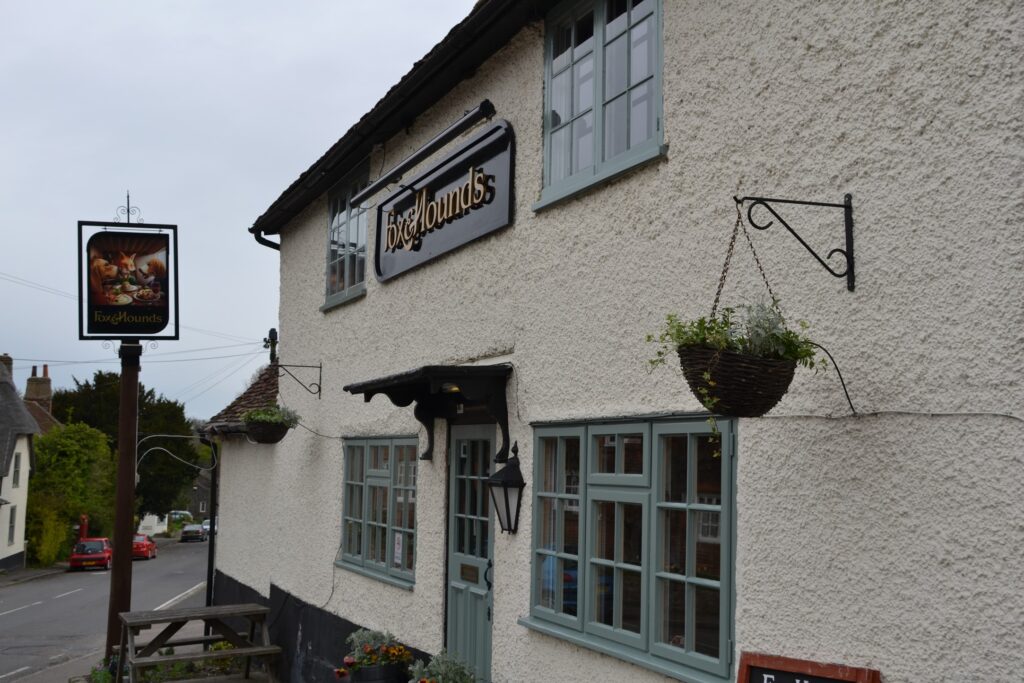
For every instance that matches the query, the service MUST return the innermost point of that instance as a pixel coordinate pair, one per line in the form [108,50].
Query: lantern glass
[506,487]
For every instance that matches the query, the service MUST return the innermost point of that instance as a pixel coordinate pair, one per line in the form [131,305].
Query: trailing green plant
[443,668]
[272,415]
[760,331]
[372,648]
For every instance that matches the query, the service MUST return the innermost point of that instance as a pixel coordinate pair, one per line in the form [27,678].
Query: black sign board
[465,196]
[760,668]
[127,281]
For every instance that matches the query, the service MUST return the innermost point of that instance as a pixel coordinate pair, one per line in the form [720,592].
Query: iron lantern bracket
[312,387]
[846,253]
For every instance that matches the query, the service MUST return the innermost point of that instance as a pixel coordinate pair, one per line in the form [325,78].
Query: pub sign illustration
[127,281]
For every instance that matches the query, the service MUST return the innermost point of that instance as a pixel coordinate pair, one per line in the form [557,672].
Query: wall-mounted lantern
[506,487]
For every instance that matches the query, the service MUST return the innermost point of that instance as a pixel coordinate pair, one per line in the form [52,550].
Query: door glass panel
[605,525]
[604,595]
[632,606]
[705,602]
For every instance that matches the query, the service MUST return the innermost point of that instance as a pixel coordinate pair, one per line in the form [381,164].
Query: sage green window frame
[602,44]
[373,468]
[649,645]
[347,239]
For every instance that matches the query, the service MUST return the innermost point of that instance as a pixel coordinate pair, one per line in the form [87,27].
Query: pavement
[72,671]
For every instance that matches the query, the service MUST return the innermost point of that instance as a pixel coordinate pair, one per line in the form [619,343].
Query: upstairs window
[346,242]
[16,476]
[602,92]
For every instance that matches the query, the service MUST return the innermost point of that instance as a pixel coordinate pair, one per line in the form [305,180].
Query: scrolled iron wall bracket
[312,387]
[846,206]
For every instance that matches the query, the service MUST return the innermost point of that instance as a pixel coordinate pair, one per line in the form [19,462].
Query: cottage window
[346,242]
[16,476]
[12,520]
[602,111]
[632,542]
[379,508]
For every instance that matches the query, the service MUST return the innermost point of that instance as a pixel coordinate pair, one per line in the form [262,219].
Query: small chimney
[38,389]
[8,363]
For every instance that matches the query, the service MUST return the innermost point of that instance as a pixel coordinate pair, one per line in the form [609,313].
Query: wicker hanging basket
[744,386]
[266,432]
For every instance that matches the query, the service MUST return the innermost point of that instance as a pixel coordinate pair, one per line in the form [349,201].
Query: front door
[470,547]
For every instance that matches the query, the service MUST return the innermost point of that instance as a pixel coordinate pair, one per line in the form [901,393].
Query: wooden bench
[255,643]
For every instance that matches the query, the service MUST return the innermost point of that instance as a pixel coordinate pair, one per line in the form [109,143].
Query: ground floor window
[379,507]
[11,523]
[632,541]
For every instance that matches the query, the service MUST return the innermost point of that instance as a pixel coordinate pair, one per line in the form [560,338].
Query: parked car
[92,552]
[193,532]
[206,526]
[143,546]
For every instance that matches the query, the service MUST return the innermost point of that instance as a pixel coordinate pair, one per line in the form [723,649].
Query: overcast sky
[206,110]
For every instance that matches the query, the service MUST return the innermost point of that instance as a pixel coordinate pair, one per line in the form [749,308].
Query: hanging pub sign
[465,196]
[759,668]
[127,281]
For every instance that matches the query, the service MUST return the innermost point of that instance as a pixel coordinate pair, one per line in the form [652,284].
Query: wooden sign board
[758,668]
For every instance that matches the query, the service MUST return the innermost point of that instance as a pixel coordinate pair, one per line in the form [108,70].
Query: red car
[92,552]
[143,546]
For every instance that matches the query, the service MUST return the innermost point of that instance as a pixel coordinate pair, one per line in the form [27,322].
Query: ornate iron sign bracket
[847,252]
[312,387]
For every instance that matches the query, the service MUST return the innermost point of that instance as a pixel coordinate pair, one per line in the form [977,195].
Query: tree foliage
[162,478]
[74,474]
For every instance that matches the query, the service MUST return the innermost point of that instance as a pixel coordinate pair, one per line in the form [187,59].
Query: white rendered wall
[890,540]
[18,499]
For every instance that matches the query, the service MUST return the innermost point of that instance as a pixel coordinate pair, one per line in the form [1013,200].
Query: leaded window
[603,92]
[379,507]
[346,241]
[632,541]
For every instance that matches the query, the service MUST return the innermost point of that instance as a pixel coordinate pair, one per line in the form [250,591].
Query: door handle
[488,574]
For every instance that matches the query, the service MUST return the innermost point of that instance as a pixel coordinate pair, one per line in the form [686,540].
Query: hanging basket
[381,673]
[745,386]
[266,432]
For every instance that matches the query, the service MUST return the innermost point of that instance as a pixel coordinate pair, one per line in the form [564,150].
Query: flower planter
[381,673]
[745,386]
[266,432]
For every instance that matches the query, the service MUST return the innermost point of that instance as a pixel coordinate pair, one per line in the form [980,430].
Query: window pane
[354,504]
[360,255]
[584,34]
[615,16]
[570,527]
[641,115]
[560,154]
[674,541]
[673,454]
[410,540]
[379,457]
[615,128]
[641,47]
[673,613]
[641,8]
[355,463]
[705,602]
[604,595]
[572,466]
[615,68]
[411,510]
[569,589]
[583,142]
[561,102]
[632,608]
[583,85]
[560,47]
[709,551]
[632,533]
[709,467]
[547,567]
[547,524]
[354,538]
[633,454]
[604,522]
[605,446]
[548,465]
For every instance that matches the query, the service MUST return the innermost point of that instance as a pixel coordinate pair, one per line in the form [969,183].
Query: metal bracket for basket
[846,206]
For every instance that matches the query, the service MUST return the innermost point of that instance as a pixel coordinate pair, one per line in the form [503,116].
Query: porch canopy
[445,391]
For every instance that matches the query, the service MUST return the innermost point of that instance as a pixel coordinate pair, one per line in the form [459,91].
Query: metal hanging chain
[728,259]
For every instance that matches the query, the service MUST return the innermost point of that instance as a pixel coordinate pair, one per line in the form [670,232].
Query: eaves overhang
[441,391]
[489,26]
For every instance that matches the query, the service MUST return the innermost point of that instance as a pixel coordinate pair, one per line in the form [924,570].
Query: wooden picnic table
[255,643]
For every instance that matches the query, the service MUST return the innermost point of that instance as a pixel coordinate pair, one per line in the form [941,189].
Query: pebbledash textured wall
[889,540]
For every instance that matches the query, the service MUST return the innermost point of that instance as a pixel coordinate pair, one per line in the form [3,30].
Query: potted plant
[269,424]
[739,366]
[443,668]
[375,657]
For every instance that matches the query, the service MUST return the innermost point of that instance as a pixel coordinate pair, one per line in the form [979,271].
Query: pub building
[468,277]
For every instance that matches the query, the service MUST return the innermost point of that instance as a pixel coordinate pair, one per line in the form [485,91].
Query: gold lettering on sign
[433,213]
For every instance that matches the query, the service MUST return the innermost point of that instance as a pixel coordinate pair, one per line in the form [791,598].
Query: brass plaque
[469,573]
